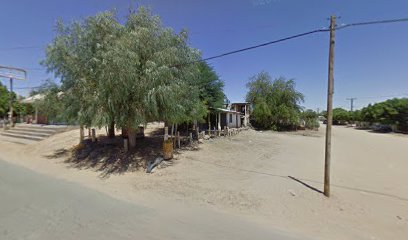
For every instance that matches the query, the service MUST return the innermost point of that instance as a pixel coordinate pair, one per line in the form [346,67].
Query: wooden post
[245,115]
[219,122]
[166,133]
[81,133]
[216,120]
[131,133]
[36,115]
[178,139]
[191,139]
[327,156]
[93,135]
[126,144]
[11,104]
[209,124]
[111,130]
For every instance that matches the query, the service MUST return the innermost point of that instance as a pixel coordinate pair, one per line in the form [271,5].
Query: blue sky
[370,61]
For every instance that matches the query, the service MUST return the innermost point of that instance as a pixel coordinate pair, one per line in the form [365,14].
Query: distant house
[245,110]
[219,118]
[38,118]
[229,118]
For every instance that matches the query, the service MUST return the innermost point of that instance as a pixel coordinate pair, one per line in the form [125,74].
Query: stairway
[26,133]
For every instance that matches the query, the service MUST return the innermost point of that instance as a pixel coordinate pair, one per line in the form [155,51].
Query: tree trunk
[132,137]
[111,130]
[81,133]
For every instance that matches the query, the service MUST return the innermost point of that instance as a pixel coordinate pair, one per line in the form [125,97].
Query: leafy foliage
[392,111]
[130,73]
[52,105]
[341,116]
[18,107]
[276,103]
[310,119]
[4,100]
[211,86]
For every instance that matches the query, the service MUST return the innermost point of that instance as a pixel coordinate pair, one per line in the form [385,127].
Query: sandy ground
[36,206]
[271,179]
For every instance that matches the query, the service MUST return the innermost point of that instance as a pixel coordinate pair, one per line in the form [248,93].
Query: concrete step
[34,130]
[16,140]
[22,136]
[30,132]
[41,126]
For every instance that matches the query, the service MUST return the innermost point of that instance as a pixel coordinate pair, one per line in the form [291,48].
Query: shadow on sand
[107,155]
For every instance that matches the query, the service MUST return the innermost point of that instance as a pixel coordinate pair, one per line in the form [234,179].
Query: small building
[219,118]
[38,118]
[243,108]
[228,118]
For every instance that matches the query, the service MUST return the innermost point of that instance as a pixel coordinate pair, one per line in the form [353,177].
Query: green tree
[341,116]
[4,100]
[211,86]
[126,74]
[310,119]
[392,111]
[51,105]
[276,103]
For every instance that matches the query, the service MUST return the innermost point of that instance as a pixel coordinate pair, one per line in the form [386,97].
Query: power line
[304,34]
[21,48]
[36,69]
[265,44]
[21,88]
[385,96]
[372,23]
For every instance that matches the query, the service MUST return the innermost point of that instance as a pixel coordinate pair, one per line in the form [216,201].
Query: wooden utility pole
[327,156]
[11,103]
[351,103]
[12,73]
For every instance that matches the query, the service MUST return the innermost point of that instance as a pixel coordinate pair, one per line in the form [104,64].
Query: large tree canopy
[128,73]
[211,86]
[18,107]
[276,103]
[392,111]
[4,100]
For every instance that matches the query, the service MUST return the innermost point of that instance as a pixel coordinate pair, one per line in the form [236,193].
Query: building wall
[245,112]
[233,120]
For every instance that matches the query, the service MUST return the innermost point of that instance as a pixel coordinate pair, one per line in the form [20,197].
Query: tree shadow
[108,157]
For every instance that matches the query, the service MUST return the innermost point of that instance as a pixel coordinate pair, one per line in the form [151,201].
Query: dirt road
[34,206]
[266,178]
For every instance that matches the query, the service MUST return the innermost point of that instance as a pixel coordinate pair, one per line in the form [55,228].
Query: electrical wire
[272,42]
[372,23]
[21,48]
[307,33]
[265,44]
[21,88]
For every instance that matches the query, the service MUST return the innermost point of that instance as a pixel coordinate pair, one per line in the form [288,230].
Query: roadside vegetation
[276,104]
[122,76]
[392,112]
[19,109]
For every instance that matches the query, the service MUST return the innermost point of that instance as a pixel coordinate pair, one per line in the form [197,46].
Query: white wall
[236,119]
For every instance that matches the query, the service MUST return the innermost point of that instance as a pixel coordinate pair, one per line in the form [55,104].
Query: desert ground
[267,178]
